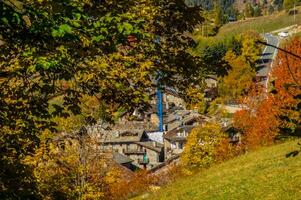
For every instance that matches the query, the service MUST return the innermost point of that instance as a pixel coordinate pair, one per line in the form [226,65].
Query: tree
[250,49]
[257,11]
[212,57]
[259,122]
[286,78]
[288,4]
[200,146]
[108,50]
[271,9]
[239,78]
[219,15]
[72,166]
[279,113]
[249,10]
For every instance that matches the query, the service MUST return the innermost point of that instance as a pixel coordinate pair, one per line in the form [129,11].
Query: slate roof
[150,145]
[125,136]
[173,134]
[121,159]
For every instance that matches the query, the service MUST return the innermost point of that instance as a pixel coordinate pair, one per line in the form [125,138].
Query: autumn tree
[73,166]
[259,122]
[239,78]
[241,64]
[219,15]
[200,147]
[286,76]
[108,50]
[250,49]
[279,113]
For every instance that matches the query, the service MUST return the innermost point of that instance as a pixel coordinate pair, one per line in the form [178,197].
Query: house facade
[136,145]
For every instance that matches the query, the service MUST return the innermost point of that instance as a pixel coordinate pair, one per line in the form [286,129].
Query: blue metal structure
[160,107]
[157,41]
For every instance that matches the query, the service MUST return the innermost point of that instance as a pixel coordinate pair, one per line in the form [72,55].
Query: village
[139,143]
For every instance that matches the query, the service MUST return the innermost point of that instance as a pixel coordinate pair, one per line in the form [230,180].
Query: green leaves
[98,38]
[125,28]
[45,63]
[62,31]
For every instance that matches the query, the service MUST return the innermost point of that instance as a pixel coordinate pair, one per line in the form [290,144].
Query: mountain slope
[262,174]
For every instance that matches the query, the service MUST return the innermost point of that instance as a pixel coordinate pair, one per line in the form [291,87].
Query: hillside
[261,24]
[262,174]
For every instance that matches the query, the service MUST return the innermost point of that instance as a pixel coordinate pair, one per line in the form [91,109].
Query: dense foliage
[54,54]
[279,113]
[201,145]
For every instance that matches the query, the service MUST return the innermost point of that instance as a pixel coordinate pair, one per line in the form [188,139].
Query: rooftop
[121,159]
[155,146]
[174,135]
[125,136]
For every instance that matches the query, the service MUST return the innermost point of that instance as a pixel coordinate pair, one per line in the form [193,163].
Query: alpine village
[150,99]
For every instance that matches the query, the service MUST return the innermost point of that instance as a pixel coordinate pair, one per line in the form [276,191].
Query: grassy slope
[259,24]
[262,174]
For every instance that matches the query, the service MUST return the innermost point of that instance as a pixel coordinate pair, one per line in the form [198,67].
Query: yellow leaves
[86,42]
[199,149]
[239,78]
[26,20]
[250,49]
[195,99]
[113,176]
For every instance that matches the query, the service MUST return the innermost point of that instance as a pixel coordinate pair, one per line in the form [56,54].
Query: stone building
[136,145]
[178,130]
[211,91]
[175,140]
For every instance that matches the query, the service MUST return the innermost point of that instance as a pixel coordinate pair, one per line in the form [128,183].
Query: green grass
[260,24]
[262,174]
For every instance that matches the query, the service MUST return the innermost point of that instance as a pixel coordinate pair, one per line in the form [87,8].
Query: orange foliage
[259,123]
[261,120]
[287,75]
[225,150]
[138,183]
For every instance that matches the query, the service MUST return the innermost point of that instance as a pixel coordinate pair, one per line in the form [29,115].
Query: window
[173,145]
[181,145]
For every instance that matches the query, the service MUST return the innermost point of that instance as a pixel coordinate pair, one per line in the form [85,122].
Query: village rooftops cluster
[138,143]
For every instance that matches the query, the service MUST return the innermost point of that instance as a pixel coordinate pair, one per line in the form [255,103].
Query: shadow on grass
[294,153]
